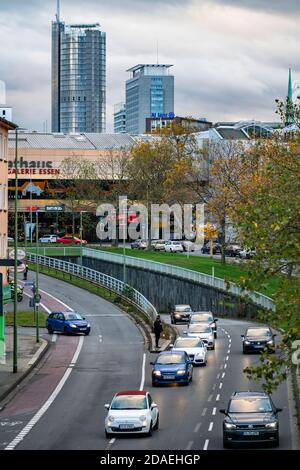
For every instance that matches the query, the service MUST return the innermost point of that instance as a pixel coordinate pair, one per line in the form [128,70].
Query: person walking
[25,273]
[157,328]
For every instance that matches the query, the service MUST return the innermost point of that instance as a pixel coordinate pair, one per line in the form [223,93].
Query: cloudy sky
[230,56]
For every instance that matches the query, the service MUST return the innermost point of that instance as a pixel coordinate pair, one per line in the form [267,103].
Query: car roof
[182,305]
[167,353]
[207,312]
[131,392]
[249,394]
[265,327]
[63,312]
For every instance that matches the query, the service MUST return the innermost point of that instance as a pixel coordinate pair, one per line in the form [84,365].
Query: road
[110,360]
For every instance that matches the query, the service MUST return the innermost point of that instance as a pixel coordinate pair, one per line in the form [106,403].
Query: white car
[131,412]
[48,239]
[159,245]
[247,253]
[194,347]
[173,246]
[202,331]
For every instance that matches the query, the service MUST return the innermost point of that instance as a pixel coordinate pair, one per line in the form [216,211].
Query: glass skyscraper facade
[78,78]
[149,92]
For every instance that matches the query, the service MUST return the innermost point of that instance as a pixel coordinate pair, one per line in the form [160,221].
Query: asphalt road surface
[111,359]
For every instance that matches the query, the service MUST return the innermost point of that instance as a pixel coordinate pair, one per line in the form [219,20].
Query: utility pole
[36,294]
[15,326]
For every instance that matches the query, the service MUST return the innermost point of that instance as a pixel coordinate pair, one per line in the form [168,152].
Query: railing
[182,273]
[98,278]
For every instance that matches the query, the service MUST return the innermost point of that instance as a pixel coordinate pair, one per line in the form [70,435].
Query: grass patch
[25,318]
[230,271]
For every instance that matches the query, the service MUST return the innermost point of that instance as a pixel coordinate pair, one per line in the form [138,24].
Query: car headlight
[72,325]
[270,342]
[211,338]
[157,373]
[181,372]
[272,425]
[143,418]
[229,426]
[177,315]
[247,342]
[200,354]
[110,420]
[88,325]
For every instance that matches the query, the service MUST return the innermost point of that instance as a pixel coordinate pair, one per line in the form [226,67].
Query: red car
[69,240]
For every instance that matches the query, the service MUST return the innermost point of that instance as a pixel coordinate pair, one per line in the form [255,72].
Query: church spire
[289,114]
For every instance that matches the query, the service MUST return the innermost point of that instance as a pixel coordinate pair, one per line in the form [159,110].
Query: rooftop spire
[289,112]
[290,87]
[58,11]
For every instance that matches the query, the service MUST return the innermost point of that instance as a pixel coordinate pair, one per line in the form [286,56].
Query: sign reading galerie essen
[33,167]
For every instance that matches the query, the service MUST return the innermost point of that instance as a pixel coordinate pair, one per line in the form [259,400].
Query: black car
[251,417]
[216,248]
[258,338]
[205,317]
[181,313]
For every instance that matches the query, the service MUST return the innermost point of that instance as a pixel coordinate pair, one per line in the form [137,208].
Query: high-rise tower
[78,77]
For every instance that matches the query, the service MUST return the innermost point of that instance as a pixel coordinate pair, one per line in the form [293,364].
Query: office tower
[120,118]
[149,92]
[78,77]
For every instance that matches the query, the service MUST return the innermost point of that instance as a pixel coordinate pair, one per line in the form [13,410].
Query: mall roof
[57,140]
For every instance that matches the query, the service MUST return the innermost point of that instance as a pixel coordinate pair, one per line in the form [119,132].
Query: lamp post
[81,230]
[36,293]
[15,326]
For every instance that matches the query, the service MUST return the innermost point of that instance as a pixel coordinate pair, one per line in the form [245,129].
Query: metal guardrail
[104,280]
[183,273]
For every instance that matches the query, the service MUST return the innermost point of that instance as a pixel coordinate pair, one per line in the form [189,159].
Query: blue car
[172,367]
[67,322]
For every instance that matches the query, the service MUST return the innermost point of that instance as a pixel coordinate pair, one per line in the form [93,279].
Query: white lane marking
[210,398]
[214,386]
[143,372]
[211,425]
[218,376]
[225,366]
[214,411]
[112,440]
[217,397]
[10,423]
[197,427]
[229,340]
[221,385]
[204,412]
[206,444]
[228,352]
[190,445]
[227,357]
[221,366]
[100,338]
[47,404]
[223,375]
[54,338]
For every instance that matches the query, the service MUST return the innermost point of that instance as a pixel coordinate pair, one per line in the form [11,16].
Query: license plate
[251,433]
[169,377]
[82,329]
[126,426]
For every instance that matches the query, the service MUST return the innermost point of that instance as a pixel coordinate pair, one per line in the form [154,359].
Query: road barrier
[182,273]
[101,279]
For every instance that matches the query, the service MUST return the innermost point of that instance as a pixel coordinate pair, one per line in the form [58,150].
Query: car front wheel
[50,330]
[156,426]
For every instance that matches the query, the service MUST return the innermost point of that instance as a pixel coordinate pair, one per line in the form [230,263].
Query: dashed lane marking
[206,444]
[221,385]
[210,398]
[197,427]
[54,338]
[143,372]
[223,375]
[204,412]
[190,445]
[211,425]
[218,397]
[214,411]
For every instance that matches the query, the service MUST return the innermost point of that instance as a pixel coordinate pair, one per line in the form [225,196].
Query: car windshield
[188,343]
[259,332]
[182,308]
[129,402]
[202,317]
[250,405]
[73,316]
[170,359]
[199,329]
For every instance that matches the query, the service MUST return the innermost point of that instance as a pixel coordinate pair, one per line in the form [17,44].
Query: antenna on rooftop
[58,11]
[157,52]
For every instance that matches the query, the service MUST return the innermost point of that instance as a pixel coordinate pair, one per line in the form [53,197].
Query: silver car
[194,347]
[202,331]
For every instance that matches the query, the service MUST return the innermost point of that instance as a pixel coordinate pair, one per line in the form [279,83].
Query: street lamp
[81,212]
[36,293]
[15,327]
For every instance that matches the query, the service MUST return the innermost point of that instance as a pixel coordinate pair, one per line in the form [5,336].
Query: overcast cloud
[230,56]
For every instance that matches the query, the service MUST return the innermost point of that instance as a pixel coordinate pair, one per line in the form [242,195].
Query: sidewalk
[29,353]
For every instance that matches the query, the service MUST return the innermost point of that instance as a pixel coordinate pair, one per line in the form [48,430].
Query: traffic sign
[54,208]
[20,254]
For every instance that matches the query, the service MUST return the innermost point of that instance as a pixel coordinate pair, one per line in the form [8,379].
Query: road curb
[32,364]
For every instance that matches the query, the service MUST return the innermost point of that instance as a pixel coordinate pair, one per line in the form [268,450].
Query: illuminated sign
[163,115]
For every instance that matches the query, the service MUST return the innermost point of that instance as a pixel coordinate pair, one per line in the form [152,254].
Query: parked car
[194,347]
[247,253]
[159,245]
[181,313]
[258,338]
[205,317]
[216,248]
[48,239]
[68,240]
[187,245]
[250,417]
[233,250]
[67,322]
[172,367]
[139,244]
[204,332]
[131,412]
[173,246]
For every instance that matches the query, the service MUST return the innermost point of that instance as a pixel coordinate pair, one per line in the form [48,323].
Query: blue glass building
[78,78]
[149,92]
